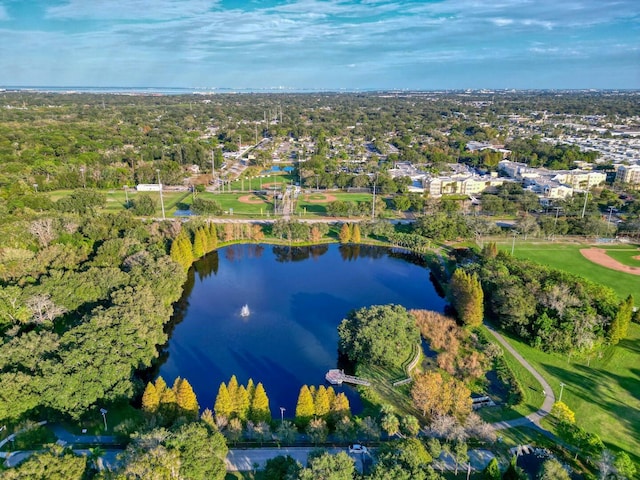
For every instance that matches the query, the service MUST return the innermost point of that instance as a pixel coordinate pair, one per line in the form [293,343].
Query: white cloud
[130,9]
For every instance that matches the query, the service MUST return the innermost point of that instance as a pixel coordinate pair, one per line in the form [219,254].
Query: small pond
[297,296]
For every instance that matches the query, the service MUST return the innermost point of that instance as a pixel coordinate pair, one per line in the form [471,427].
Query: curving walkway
[533,419]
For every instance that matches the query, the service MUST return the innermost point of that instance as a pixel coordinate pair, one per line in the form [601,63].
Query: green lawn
[531,392]
[567,257]
[229,201]
[603,392]
[310,207]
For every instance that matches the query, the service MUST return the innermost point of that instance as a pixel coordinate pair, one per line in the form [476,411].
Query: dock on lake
[338,377]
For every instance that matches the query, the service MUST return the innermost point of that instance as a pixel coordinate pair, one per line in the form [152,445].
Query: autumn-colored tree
[490,250]
[340,406]
[223,405]
[150,399]
[355,234]
[317,430]
[321,402]
[561,412]
[199,243]
[186,398]
[257,235]
[424,392]
[305,408]
[467,297]
[260,411]
[251,388]
[181,251]
[212,237]
[315,235]
[434,395]
[241,403]
[232,388]
[228,232]
[345,233]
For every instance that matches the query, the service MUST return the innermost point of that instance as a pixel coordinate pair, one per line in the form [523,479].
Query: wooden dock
[338,377]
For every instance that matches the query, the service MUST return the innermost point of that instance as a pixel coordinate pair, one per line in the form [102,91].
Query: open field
[567,257]
[313,206]
[603,392]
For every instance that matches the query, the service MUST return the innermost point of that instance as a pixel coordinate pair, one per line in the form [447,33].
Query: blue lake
[297,297]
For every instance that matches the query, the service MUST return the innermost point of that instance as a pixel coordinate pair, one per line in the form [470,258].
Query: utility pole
[373,204]
[161,199]
[611,209]
[586,196]
[513,244]
[561,390]
[213,170]
[555,222]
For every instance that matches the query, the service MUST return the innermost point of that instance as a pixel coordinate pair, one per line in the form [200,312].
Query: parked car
[357,448]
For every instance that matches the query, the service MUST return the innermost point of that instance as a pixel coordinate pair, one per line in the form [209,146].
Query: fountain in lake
[244,312]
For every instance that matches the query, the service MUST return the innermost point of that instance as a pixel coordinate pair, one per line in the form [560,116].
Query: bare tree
[43,229]
[43,309]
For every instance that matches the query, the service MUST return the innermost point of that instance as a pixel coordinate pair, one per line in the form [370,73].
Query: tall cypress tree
[212,237]
[186,398]
[467,297]
[321,402]
[150,399]
[223,405]
[345,233]
[304,408]
[355,234]
[241,403]
[260,411]
[199,243]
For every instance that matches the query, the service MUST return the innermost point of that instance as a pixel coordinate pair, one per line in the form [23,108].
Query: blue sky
[321,44]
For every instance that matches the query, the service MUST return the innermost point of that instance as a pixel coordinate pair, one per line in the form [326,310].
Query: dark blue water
[297,298]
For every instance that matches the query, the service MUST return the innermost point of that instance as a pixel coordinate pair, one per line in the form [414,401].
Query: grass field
[567,257]
[311,207]
[603,392]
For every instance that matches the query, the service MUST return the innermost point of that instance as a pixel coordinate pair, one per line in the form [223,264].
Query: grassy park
[603,391]
[567,257]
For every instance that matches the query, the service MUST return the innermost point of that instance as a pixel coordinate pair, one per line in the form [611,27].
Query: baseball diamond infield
[599,256]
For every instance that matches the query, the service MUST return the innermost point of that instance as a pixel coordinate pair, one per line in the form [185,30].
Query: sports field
[567,257]
[316,203]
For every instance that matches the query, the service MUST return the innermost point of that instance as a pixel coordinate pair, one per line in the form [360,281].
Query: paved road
[247,459]
[532,420]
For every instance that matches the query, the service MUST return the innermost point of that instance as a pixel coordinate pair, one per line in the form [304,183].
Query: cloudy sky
[321,44]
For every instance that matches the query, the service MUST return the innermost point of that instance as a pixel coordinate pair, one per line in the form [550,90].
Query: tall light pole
[84,182]
[513,244]
[373,203]
[282,409]
[126,194]
[586,197]
[103,411]
[213,169]
[611,209]
[561,390]
[161,199]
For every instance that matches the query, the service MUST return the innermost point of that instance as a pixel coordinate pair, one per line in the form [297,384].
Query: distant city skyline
[321,44]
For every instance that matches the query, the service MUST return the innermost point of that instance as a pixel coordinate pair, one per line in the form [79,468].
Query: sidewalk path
[533,419]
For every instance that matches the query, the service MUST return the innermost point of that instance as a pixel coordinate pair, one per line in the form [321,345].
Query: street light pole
[126,194]
[586,197]
[373,204]
[84,182]
[561,390]
[611,209]
[513,243]
[161,199]
[282,409]
[103,411]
